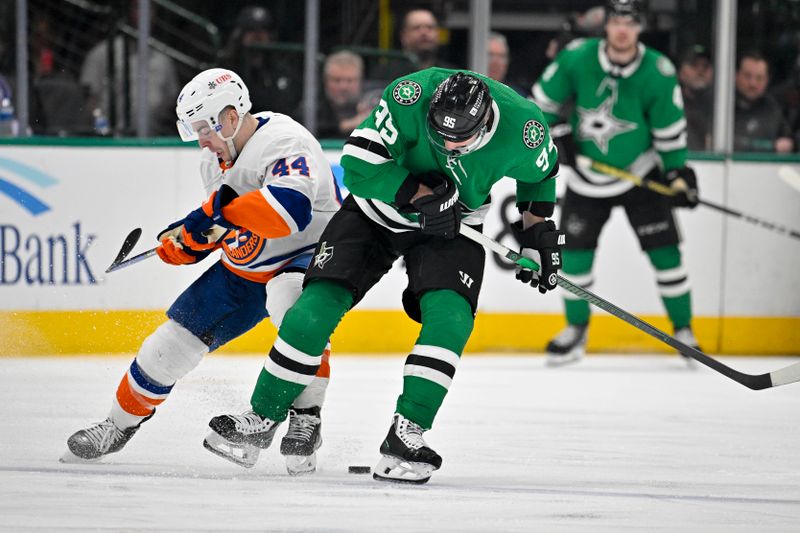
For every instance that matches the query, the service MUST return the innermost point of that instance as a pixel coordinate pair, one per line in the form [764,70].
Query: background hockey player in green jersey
[628,113]
[420,165]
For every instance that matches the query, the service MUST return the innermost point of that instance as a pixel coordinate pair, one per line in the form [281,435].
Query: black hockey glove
[565,143]
[440,212]
[541,242]
[684,182]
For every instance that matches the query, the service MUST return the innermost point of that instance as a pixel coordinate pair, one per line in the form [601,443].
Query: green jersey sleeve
[667,118]
[371,155]
[535,184]
[556,86]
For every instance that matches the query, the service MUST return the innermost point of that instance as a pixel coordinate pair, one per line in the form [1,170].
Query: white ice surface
[612,444]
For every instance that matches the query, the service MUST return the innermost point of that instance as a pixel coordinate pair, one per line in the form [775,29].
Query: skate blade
[555,361]
[393,470]
[301,465]
[244,455]
[71,458]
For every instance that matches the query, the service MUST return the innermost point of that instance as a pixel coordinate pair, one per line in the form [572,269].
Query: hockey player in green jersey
[420,165]
[628,113]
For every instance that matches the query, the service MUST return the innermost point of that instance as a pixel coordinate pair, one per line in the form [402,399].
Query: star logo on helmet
[533,133]
[212,85]
[407,92]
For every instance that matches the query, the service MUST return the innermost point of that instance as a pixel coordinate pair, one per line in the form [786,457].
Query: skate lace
[102,435]
[301,427]
[410,433]
[252,422]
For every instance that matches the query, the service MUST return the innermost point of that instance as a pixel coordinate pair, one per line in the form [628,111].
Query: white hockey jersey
[287,195]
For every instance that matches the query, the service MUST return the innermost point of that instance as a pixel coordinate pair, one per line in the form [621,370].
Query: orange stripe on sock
[325,366]
[132,402]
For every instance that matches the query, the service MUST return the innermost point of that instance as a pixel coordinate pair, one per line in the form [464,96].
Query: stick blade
[784,376]
[127,245]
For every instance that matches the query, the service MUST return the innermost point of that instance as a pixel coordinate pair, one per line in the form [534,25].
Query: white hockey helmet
[205,97]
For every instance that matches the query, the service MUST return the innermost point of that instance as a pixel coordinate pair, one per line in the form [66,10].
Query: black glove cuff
[540,209]
[540,235]
[406,191]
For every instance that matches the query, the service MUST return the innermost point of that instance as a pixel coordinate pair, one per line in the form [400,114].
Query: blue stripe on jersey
[145,382]
[262,121]
[284,257]
[296,204]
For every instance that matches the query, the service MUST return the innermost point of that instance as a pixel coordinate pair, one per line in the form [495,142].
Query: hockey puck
[358,470]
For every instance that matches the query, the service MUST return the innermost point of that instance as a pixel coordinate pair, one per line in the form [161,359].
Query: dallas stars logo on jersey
[407,92]
[533,134]
[599,125]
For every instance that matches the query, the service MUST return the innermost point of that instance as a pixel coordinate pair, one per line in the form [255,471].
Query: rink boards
[64,211]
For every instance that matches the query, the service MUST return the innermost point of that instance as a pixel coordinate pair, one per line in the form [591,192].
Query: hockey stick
[127,245]
[784,376]
[215,234]
[133,260]
[660,188]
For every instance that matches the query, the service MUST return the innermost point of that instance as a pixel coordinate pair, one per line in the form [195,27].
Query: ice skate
[686,336]
[406,458]
[302,440]
[240,438]
[568,347]
[102,438]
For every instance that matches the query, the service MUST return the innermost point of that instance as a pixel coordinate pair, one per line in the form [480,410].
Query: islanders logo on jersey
[407,92]
[533,133]
[242,247]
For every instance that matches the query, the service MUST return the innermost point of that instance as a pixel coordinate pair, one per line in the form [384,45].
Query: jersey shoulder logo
[665,66]
[533,133]
[407,92]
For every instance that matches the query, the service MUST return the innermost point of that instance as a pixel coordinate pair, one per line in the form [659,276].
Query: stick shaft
[660,188]
[783,376]
[132,261]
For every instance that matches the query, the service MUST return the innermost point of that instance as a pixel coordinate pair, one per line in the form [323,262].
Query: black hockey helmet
[625,8]
[459,107]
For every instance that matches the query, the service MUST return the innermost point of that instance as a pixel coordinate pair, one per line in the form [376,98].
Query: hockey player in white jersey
[270,194]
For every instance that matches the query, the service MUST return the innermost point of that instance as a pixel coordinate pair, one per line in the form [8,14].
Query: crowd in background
[767,115]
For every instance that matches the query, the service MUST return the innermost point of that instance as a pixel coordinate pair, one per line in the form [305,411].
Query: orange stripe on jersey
[252,211]
[132,402]
[258,277]
[325,366]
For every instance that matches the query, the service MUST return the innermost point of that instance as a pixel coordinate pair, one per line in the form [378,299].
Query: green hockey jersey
[393,142]
[628,116]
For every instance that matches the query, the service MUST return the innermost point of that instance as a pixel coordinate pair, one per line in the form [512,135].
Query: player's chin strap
[229,140]
[783,376]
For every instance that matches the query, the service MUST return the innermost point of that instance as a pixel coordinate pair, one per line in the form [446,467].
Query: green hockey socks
[673,284]
[447,322]
[296,355]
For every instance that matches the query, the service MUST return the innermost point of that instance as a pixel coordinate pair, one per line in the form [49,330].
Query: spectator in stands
[499,59]
[696,76]
[759,123]
[419,39]
[7,121]
[273,77]
[162,83]
[343,106]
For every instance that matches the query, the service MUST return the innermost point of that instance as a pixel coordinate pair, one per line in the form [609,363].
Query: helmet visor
[194,131]
[444,145]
